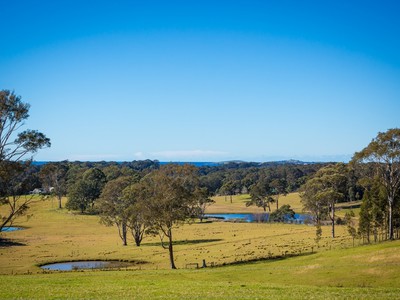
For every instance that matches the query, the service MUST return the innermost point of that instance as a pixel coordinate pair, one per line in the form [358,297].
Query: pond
[258,217]
[89,264]
[11,228]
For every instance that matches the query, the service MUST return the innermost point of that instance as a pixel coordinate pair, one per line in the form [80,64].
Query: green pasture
[366,272]
[252,260]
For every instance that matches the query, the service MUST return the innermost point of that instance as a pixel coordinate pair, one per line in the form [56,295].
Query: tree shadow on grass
[264,259]
[9,243]
[185,242]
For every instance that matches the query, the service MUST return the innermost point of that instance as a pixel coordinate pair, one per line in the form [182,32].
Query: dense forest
[228,178]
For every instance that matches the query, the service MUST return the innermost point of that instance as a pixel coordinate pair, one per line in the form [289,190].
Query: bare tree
[54,179]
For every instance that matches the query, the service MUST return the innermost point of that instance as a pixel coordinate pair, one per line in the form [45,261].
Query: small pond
[80,265]
[11,228]
[258,217]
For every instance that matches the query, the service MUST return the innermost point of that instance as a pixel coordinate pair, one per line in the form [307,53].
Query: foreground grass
[367,272]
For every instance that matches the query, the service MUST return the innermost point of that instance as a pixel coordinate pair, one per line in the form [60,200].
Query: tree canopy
[320,193]
[383,152]
[86,190]
[15,145]
[13,113]
[114,207]
[170,198]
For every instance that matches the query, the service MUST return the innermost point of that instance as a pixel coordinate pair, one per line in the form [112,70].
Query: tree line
[372,176]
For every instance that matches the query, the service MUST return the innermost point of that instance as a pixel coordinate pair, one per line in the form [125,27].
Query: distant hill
[213,164]
[270,163]
[291,162]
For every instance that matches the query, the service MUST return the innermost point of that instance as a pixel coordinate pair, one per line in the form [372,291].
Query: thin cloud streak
[188,154]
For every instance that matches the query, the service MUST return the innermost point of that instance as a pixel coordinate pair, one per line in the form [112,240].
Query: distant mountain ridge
[212,164]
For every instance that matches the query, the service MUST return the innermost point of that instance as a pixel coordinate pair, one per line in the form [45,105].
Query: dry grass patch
[223,204]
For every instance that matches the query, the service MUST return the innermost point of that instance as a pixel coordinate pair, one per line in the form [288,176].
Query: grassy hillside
[332,269]
[367,272]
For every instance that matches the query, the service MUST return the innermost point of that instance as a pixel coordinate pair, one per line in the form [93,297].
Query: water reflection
[259,217]
[79,265]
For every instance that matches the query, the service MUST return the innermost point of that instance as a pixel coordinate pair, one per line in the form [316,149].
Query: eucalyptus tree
[169,195]
[114,207]
[383,152]
[135,197]
[13,113]
[203,200]
[111,172]
[228,188]
[311,201]
[83,193]
[373,209]
[54,179]
[13,185]
[320,194]
[15,146]
[114,171]
[261,195]
[282,214]
[279,187]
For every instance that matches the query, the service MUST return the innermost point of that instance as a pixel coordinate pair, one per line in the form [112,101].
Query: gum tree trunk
[333,219]
[390,219]
[124,232]
[170,249]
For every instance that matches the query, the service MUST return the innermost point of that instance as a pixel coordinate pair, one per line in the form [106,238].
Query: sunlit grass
[367,272]
[223,204]
[287,262]
[59,235]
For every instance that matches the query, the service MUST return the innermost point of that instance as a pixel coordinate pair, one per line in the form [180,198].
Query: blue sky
[204,80]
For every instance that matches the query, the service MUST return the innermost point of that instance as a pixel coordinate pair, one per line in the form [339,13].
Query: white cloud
[138,154]
[188,154]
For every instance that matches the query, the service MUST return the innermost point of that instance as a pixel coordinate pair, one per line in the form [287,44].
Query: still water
[10,228]
[259,217]
[79,265]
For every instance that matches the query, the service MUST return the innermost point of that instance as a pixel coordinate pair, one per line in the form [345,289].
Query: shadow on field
[9,243]
[185,242]
[264,259]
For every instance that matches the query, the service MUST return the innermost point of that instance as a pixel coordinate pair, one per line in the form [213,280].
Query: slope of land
[287,263]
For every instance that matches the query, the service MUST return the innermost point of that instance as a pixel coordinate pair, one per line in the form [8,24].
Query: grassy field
[223,204]
[331,269]
[367,272]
